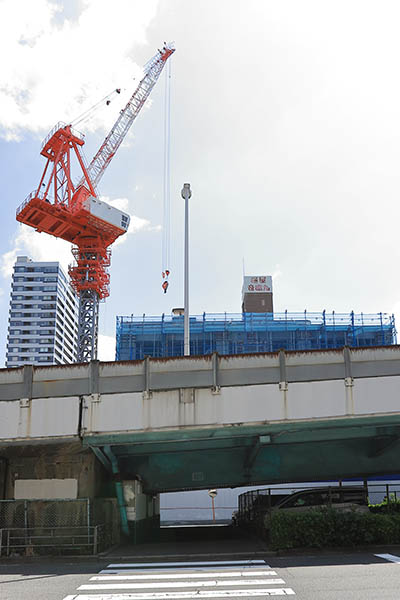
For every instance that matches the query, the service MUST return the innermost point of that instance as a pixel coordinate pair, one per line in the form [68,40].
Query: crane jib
[112,142]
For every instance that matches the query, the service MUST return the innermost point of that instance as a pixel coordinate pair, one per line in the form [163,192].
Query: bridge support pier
[143,512]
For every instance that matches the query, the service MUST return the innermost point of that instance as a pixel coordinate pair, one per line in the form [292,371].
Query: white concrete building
[43,317]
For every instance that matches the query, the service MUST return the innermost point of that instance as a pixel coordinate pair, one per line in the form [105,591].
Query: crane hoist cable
[88,114]
[166,239]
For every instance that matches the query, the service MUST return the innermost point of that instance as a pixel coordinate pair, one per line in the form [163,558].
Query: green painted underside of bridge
[242,455]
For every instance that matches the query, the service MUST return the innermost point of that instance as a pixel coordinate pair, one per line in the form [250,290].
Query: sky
[284,119]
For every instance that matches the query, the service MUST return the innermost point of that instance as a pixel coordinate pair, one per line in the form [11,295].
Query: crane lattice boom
[114,139]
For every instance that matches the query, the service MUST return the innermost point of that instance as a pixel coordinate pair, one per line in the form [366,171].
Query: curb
[167,557]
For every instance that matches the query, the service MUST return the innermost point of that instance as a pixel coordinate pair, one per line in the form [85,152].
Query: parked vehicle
[343,498]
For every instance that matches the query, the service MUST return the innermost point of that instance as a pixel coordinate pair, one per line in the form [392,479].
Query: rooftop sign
[257,284]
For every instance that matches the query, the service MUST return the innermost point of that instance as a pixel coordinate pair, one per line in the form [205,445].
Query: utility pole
[212,494]
[186,194]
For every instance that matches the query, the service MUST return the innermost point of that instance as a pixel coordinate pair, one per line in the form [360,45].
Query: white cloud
[395,309]
[37,246]
[106,347]
[136,223]
[276,273]
[8,260]
[56,68]
[120,203]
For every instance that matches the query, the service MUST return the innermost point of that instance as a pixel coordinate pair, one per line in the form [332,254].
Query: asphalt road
[334,576]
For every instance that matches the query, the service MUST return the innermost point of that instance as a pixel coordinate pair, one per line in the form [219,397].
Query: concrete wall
[248,404]
[49,404]
[44,464]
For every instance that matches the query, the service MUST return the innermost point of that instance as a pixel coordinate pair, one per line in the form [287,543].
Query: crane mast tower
[73,212]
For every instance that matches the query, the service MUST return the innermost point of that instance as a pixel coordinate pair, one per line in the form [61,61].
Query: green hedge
[327,528]
[387,506]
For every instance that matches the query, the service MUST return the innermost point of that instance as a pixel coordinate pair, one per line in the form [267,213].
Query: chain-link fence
[45,513]
[68,526]
[105,511]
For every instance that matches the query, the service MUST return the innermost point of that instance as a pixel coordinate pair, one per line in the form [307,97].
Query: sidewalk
[192,542]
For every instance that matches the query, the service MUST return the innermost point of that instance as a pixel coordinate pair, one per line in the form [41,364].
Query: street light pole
[186,194]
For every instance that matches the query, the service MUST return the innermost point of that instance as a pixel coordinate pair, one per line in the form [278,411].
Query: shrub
[328,528]
[387,506]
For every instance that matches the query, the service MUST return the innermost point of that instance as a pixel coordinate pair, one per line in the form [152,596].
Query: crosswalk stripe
[105,576]
[179,584]
[199,563]
[190,595]
[213,580]
[389,557]
[184,570]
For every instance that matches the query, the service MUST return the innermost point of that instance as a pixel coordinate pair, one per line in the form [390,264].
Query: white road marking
[389,557]
[178,584]
[221,580]
[106,576]
[200,563]
[189,595]
[215,569]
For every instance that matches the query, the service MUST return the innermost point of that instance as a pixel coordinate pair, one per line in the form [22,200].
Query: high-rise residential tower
[43,318]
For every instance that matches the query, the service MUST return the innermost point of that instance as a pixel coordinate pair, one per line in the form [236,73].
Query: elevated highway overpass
[198,422]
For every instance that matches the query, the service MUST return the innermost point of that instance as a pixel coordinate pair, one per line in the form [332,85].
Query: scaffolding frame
[232,333]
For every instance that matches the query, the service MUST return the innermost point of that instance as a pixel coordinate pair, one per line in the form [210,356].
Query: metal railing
[254,503]
[61,125]
[195,514]
[311,318]
[35,194]
[17,541]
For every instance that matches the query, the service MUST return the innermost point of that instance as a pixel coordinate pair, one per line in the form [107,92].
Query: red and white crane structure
[74,213]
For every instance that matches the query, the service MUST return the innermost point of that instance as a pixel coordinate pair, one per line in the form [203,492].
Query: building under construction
[260,330]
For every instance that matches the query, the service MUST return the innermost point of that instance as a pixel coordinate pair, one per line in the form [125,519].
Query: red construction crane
[74,212]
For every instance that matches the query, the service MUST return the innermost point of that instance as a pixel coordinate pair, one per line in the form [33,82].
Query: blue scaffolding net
[138,337]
